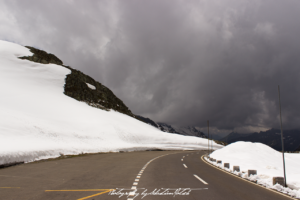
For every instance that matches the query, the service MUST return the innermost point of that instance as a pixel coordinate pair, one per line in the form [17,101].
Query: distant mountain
[147,120]
[233,137]
[216,136]
[270,137]
[188,130]
[166,128]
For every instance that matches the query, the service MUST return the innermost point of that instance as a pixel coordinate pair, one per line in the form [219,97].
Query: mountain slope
[37,120]
[166,127]
[190,130]
[232,137]
[80,86]
[270,137]
[147,121]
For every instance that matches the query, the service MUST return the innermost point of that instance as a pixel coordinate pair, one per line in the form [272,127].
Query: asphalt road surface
[154,174]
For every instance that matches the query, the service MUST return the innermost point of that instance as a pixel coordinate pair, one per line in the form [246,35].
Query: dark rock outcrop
[42,57]
[147,120]
[100,97]
[77,88]
[166,128]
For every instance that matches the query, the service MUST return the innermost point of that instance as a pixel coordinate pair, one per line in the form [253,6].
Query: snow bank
[91,86]
[267,161]
[38,121]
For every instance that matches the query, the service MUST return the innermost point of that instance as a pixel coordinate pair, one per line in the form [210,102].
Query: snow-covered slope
[267,161]
[38,121]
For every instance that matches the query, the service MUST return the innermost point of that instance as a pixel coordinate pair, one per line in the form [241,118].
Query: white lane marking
[131,193]
[184,165]
[181,159]
[137,180]
[140,174]
[200,179]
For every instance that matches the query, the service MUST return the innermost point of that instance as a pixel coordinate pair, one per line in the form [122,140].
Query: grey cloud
[180,62]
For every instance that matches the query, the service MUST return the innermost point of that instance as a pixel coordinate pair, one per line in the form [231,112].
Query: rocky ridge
[80,86]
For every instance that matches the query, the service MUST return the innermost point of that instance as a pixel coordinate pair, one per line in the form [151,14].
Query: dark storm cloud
[180,62]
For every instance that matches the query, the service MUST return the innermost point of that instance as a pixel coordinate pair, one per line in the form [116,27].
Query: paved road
[91,177]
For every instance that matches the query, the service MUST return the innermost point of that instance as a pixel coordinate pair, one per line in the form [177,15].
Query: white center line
[200,179]
[131,193]
[134,185]
[184,165]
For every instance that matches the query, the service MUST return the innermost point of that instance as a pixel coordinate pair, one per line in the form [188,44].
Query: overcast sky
[176,61]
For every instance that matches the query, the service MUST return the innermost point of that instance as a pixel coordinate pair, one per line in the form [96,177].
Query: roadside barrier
[279,180]
[236,168]
[252,172]
[243,175]
[226,165]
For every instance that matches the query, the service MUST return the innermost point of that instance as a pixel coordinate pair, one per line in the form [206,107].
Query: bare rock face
[42,57]
[76,85]
[100,97]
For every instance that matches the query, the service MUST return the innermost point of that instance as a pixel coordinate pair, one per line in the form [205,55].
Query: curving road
[154,175]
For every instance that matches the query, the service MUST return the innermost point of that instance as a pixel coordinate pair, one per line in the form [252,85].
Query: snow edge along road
[234,175]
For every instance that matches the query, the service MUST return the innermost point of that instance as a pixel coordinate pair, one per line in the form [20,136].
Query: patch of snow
[38,121]
[267,161]
[91,86]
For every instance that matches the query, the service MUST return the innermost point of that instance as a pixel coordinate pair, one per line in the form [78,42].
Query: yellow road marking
[9,187]
[95,195]
[84,190]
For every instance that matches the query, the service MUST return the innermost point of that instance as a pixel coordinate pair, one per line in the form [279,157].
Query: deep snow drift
[38,121]
[267,161]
